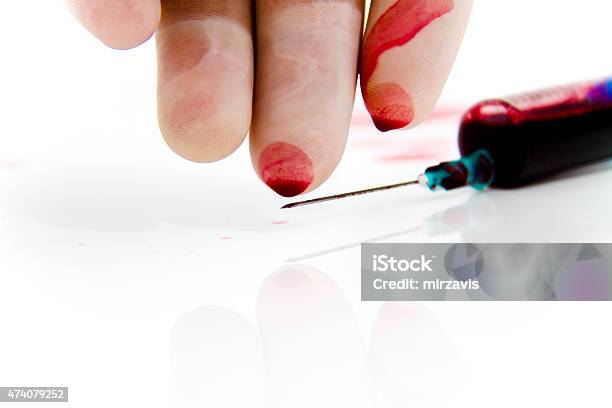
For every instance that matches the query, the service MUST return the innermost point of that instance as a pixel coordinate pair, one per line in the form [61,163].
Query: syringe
[513,141]
[475,170]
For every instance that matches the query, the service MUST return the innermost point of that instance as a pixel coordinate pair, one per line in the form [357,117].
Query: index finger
[408,51]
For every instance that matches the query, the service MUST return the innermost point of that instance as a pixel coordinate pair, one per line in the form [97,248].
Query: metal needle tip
[351,194]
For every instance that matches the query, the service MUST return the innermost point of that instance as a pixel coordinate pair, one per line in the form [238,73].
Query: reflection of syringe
[513,141]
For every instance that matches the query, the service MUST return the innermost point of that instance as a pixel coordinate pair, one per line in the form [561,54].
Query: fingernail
[286,169]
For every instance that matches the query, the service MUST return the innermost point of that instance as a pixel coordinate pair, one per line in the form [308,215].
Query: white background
[135,277]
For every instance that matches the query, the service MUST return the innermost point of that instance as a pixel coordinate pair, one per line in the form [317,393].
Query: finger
[312,345]
[412,357]
[120,24]
[307,54]
[408,50]
[205,84]
[214,351]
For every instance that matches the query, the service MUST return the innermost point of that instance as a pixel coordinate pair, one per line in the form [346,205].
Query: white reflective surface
[140,279]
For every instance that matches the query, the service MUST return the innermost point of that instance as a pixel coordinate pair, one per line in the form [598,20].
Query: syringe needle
[351,194]
[475,170]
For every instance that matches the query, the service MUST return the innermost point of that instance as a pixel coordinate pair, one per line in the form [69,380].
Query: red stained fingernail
[389,105]
[286,169]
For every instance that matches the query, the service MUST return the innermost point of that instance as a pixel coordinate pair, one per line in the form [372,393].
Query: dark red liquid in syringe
[541,133]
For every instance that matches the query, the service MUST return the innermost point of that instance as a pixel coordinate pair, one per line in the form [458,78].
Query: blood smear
[10,165]
[443,113]
[286,169]
[389,105]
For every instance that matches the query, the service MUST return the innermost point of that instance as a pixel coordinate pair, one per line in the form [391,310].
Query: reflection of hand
[312,352]
[305,70]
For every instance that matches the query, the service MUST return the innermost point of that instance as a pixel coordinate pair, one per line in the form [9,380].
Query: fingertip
[192,130]
[193,149]
[408,51]
[118,24]
[390,107]
[205,77]
[307,55]
[286,169]
[385,125]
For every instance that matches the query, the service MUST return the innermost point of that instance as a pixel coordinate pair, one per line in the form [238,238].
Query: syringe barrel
[537,134]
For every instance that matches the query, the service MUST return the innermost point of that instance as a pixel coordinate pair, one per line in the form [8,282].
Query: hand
[296,92]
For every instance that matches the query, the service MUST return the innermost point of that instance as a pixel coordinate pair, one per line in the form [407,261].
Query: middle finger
[306,72]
